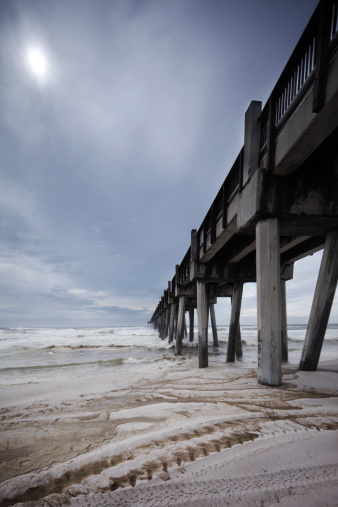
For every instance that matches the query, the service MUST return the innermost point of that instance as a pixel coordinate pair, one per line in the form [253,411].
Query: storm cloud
[110,157]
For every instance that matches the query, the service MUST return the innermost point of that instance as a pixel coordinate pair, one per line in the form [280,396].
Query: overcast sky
[119,121]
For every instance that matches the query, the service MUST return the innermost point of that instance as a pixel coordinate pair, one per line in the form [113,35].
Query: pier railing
[229,190]
[305,70]
[217,212]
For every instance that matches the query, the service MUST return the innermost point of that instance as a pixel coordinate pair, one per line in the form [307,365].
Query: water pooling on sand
[39,354]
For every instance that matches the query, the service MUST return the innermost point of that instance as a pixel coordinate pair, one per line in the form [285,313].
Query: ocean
[30,355]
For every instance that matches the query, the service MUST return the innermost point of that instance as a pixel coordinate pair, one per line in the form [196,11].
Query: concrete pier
[277,204]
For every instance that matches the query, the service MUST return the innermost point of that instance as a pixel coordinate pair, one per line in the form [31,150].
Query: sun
[37,63]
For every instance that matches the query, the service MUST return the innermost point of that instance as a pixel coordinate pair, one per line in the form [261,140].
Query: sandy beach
[183,436]
[174,436]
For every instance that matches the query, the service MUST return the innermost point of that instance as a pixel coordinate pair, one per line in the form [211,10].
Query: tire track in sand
[244,491]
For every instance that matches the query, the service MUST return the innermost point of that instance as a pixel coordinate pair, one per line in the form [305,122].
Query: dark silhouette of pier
[278,204]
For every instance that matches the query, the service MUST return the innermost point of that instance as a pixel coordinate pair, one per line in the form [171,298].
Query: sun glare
[37,63]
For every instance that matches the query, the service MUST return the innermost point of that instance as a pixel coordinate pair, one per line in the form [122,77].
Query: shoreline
[110,437]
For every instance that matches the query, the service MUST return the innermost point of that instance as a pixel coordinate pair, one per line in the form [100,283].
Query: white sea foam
[37,354]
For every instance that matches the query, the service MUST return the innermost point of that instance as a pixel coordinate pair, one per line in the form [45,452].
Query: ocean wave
[106,331]
[250,343]
[301,340]
[83,346]
[128,331]
[108,362]
[135,360]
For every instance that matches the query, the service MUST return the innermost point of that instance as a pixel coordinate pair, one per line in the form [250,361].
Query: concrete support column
[176,320]
[284,339]
[191,323]
[239,351]
[167,317]
[172,322]
[180,325]
[234,321]
[322,304]
[252,137]
[162,325]
[158,325]
[268,302]
[202,316]
[185,327]
[213,325]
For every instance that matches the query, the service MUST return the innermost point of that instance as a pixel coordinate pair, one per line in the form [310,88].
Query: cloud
[29,284]
[108,166]
[130,107]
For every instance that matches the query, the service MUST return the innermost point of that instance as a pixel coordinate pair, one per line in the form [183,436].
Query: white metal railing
[296,81]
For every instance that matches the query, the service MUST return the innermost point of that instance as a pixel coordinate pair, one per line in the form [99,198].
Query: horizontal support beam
[308,247]
[221,272]
[213,290]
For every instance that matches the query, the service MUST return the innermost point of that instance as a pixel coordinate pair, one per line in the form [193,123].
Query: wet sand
[173,436]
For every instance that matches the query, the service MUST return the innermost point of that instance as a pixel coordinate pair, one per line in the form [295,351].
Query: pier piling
[213,324]
[202,317]
[268,302]
[180,326]
[322,304]
[284,329]
[234,329]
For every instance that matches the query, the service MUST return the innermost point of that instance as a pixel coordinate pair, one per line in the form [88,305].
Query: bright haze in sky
[119,123]
[37,63]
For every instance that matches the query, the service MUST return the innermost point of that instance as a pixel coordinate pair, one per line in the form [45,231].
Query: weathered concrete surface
[239,351]
[202,315]
[191,323]
[268,302]
[222,234]
[172,322]
[284,337]
[252,136]
[180,325]
[306,130]
[322,304]
[248,200]
[213,325]
[234,321]
[305,201]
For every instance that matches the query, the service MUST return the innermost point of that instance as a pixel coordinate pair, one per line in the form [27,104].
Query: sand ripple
[140,440]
